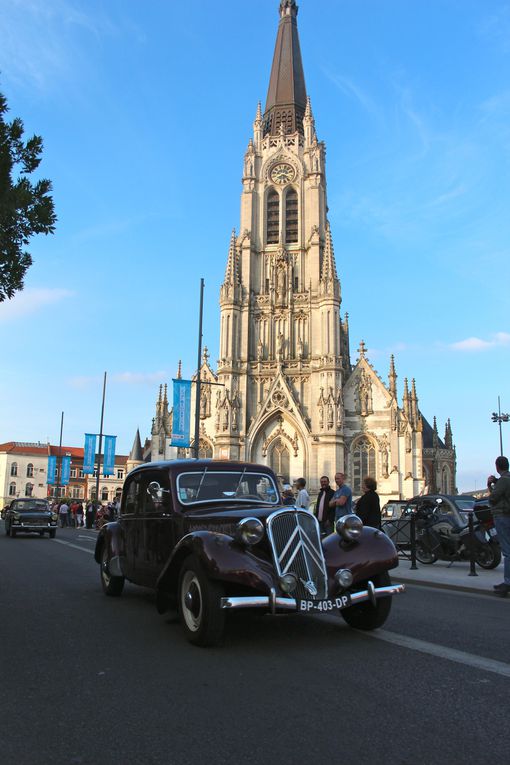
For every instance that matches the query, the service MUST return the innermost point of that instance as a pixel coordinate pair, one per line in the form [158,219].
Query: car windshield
[226,486]
[30,506]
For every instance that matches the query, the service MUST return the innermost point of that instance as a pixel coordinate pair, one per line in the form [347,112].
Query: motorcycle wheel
[424,555]
[488,555]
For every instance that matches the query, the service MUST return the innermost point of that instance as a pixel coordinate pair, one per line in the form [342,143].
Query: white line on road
[443,652]
[70,544]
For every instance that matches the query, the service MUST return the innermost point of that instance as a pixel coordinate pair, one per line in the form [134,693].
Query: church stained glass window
[280,460]
[363,463]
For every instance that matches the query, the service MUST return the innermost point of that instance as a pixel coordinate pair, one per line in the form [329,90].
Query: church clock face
[282,173]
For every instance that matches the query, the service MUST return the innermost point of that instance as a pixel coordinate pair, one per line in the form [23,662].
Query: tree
[26,208]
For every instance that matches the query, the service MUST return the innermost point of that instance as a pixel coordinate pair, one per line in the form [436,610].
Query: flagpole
[198,386]
[100,440]
[59,455]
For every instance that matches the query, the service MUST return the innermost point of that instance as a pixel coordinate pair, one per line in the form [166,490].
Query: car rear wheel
[112,585]
[200,609]
[365,616]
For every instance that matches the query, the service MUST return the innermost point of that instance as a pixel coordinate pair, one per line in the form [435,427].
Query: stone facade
[288,394]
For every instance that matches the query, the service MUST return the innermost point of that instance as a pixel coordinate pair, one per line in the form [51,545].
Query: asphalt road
[91,680]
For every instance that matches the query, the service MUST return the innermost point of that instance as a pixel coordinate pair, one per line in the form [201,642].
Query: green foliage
[26,208]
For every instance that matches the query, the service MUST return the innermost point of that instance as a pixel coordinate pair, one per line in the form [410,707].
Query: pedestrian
[303,498]
[63,512]
[287,494]
[325,514]
[341,501]
[368,506]
[79,515]
[90,515]
[499,500]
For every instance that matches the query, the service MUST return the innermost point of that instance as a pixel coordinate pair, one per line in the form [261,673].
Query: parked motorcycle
[447,537]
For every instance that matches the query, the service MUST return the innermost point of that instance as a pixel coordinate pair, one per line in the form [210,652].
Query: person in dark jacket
[324,513]
[368,507]
[500,504]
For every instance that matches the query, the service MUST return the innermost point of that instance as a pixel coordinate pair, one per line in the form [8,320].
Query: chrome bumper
[274,602]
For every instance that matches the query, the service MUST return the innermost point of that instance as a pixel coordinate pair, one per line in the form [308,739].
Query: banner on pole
[89,453]
[66,470]
[181,414]
[52,468]
[109,455]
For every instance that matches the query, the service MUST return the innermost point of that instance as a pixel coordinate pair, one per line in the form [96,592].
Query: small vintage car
[29,515]
[212,536]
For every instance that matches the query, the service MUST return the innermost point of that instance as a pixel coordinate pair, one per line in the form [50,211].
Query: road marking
[443,652]
[70,544]
[90,539]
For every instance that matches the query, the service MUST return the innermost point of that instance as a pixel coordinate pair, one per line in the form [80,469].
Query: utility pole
[59,457]
[100,441]
[198,385]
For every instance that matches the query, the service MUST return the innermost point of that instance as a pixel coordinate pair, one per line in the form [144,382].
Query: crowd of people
[72,513]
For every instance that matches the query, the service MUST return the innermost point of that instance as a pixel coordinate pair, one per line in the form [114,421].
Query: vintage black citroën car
[211,536]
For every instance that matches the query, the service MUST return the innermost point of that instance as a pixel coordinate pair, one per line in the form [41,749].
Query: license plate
[323,606]
[493,532]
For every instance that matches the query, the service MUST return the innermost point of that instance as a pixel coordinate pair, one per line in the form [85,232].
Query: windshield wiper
[201,482]
[238,485]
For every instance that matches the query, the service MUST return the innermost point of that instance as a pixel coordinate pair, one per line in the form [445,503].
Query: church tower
[283,347]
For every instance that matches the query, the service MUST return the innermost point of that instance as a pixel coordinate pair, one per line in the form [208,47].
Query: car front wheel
[112,585]
[365,616]
[200,609]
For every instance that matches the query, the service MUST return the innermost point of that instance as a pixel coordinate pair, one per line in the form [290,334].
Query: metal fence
[402,532]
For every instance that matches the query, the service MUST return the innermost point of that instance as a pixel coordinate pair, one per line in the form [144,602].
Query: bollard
[414,567]
[472,569]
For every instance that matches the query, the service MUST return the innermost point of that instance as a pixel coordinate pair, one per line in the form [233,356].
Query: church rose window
[363,464]
[273,217]
[291,217]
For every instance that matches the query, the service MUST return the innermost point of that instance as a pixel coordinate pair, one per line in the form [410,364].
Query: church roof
[428,435]
[286,95]
[136,453]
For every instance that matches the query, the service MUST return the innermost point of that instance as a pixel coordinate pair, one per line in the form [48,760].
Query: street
[87,679]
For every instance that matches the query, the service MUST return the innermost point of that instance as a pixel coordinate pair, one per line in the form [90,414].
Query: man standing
[500,505]
[63,513]
[341,501]
[303,498]
[322,509]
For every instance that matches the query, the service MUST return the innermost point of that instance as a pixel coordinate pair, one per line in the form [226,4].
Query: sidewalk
[454,577]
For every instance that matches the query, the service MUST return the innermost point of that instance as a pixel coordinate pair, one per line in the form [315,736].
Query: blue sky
[146,110]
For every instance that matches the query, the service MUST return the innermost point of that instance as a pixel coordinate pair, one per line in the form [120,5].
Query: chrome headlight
[349,527]
[343,578]
[250,531]
[54,517]
[288,582]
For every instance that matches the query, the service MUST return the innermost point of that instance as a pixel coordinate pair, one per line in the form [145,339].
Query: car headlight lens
[349,527]
[288,582]
[54,517]
[343,578]
[250,531]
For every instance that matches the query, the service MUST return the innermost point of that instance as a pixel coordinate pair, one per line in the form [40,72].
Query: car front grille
[296,547]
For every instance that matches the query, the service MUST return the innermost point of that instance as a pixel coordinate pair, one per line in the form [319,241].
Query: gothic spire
[448,435]
[414,403]
[232,270]
[179,370]
[136,453]
[286,95]
[393,377]
[405,400]
[328,263]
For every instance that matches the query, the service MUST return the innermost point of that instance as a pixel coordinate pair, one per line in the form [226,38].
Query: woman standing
[368,507]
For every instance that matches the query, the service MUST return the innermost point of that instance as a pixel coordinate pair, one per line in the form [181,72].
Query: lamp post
[500,417]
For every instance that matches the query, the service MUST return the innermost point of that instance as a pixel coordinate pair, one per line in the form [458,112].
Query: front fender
[222,558]
[373,554]
[111,535]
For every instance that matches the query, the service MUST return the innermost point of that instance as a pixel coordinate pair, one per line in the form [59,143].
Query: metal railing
[402,532]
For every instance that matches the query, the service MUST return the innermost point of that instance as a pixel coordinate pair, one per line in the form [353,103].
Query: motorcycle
[446,537]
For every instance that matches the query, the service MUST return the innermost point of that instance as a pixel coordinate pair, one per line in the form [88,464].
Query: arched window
[104,493]
[279,460]
[363,463]
[14,468]
[273,217]
[93,493]
[29,488]
[30,470]
[445,480]
[291,217]
[12,489]
[205,451]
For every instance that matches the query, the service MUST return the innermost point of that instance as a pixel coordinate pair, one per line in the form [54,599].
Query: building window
[14,468]
[12,489]
[363,464]
[73,472]
[273,217]
[30,470]
[291,217]
[120,475]
[82,474]
[205,451]
[76,492]
[279,460]
[29,489]
[104,493]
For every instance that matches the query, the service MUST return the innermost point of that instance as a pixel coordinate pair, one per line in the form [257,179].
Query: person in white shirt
[303,498]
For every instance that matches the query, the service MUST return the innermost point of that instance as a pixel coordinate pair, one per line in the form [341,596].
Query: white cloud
[30,301]
[499,339]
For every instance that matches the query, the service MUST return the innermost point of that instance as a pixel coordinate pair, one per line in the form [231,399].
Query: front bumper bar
[275,603]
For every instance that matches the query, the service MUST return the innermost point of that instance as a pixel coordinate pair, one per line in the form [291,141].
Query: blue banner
[52,467]
[109,454]
[89,453]
[66,470]
[181,413]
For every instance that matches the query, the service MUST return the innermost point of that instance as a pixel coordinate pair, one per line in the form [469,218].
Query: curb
[445,586]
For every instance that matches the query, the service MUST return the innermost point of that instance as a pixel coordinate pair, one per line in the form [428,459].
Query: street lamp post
[500,417]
